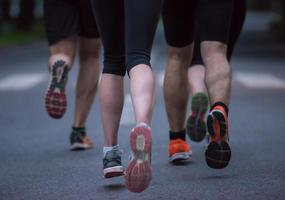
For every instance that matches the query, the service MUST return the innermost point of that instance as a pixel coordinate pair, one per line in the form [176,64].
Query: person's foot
[218,153]
[55,98]
[112,164]
[138,174]
[196,125]
[179,151]
[79,140]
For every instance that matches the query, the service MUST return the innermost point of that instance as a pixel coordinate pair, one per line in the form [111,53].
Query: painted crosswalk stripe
[251,80]
[19,82]
[259,80]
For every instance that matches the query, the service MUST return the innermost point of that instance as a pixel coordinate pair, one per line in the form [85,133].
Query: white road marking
[259,80]
[128,117]
[252,80]
[160,78]
[19,82]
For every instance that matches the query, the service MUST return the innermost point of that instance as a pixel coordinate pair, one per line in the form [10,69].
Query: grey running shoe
[196,125]
[112,164]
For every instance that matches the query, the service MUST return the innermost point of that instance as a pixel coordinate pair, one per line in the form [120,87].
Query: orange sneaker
[218,153]
[179,151]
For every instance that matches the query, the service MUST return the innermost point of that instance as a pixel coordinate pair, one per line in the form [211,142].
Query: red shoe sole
[138,174]
[56,104]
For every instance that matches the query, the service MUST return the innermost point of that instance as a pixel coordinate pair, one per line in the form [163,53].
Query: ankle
[144,124]
[106,149]
[177,135]
[221,104]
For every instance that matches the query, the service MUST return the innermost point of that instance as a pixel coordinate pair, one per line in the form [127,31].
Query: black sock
[219,103]
[80,130]
[177,135]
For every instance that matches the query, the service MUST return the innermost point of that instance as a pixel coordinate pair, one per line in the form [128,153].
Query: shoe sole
[180,157]
[80,147]
[55,98]
[113,172]
[218,153]
[196,125]
[138,174]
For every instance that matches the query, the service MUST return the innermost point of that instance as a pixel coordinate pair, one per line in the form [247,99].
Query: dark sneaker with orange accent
[55,98]
[139,173]
[79,140]
[112,164]
[196,125]
[179,151]
[218,153]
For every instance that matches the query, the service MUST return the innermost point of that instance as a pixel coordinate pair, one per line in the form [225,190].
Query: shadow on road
[182,163]
[113,187]
[216,177]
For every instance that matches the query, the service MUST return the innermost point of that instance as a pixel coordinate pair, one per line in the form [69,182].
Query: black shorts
[229,37]
[179,21]
[64,18]
[214,19]
[203,20]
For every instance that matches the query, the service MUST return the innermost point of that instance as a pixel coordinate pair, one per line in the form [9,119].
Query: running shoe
[79,140]
[196,125]
[218,153]
[138,174]
[55,98]
[179,151]
[112,164]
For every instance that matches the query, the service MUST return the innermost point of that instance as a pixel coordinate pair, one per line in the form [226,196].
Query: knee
[90,49]
[213,52]
[180,57]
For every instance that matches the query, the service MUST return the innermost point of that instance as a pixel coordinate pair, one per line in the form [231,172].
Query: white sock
[107,149]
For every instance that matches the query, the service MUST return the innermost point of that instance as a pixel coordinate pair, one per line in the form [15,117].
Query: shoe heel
[222,123]
[210,125]
[218,155]
[139,173]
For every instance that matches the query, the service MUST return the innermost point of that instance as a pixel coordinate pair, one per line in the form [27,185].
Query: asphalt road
[35,162]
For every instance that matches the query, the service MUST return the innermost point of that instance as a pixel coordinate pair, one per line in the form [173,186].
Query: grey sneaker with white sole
[112,164]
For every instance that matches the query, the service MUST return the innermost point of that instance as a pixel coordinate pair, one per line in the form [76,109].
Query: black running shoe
[218,153]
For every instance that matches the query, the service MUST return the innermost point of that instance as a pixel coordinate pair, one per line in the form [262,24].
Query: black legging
[127,28]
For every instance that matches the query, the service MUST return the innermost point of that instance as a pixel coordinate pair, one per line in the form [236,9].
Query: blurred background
[21,20]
